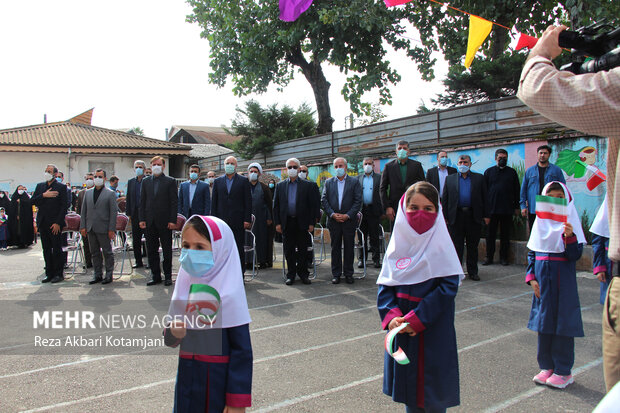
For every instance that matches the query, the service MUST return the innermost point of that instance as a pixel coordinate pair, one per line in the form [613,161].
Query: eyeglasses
[292,167]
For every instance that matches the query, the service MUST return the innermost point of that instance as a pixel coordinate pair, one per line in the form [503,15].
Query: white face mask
[98,181]
[157,169]
[89,183]
[47,176]
[292,173]
[253,176]
[19,191]
[367,169]
[211,180]
[303,175]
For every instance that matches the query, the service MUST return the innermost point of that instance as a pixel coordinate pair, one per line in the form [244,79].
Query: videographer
[589,103]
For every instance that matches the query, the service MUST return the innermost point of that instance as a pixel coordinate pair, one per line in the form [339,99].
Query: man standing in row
[371,212]
[50,197]
[98,222]
[132,208]
[158,216]
[502,202]
[464,208]
[294,213]
[437,175]
[342,200]
[210,179]
[232,202]
[398,175]
[194,196]
[303,175]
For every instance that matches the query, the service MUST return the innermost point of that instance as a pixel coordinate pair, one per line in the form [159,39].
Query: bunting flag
[479,30]
[548,207]
[391,3]
[594,175]
[290,10]
[526,41]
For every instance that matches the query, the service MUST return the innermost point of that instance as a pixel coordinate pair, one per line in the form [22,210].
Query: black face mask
[502,162]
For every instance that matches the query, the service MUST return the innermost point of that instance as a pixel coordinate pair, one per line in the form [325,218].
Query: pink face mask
[421,221]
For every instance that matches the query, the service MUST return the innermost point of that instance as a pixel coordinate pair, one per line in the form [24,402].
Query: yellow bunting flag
[479,30]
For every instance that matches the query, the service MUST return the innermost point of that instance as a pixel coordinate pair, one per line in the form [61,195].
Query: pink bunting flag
[290,10]
[526,41]
[391,3]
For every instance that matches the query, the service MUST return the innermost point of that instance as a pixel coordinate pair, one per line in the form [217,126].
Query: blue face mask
[193,176]
[139,171]
[402,153]
[271,186]
[59,180]
[196,262]
[443,161]
[229,169]
[463,169]
[340,172]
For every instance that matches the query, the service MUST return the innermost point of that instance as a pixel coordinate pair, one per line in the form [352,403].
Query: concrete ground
[317,348]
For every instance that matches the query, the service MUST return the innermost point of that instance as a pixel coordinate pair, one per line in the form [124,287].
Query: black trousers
[295,242]
[466,230]
[52,251]
[136,238]
[530,219]
[157,234]
[342,233]
[505,223]
[370,228]
[239,235]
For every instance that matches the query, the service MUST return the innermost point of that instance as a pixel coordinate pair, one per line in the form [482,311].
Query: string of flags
[479,28]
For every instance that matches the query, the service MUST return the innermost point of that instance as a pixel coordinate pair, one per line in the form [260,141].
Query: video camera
[603,47]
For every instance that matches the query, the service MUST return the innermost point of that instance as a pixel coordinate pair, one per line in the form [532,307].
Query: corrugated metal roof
[203,134]
[77,135]
[205,150]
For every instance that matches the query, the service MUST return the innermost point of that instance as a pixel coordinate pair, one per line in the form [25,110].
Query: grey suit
[342,231]
[98,218]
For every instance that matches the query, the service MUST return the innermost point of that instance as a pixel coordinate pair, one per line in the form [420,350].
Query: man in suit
[371,211]
[210,180]
[50,197]
[90,183]
[232,202]
[60,177]
[158,216]
[464,208]
[99,211]
[502,202]
[294,213]
[132,209]
[437,175]
[303,175]
[398,175]
[194,195]
[342,200]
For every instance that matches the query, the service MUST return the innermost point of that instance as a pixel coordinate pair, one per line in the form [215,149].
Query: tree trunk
[320,86]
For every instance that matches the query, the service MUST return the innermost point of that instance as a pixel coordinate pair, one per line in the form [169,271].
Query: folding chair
[360,244]
[249,246]
[176,234]
[320,239]
[121,244]
[312,276]
[383,242]
[74,239]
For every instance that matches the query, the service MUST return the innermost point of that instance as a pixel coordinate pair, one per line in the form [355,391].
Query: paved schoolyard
[317,348]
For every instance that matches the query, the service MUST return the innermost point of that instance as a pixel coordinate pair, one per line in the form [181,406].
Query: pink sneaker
[541,378]
[559,382]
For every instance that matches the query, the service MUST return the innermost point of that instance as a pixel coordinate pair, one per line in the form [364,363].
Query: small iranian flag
[548,207]
[595,176]
[204,300]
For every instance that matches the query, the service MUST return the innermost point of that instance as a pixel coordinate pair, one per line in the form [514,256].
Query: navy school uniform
[601,262]
[212,378]
[431,379]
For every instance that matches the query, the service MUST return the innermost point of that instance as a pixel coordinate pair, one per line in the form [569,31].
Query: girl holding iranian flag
[555,244]
[211,322]
[418,283]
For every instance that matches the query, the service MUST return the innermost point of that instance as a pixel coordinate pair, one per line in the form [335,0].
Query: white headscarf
[225,277]
[413,258]
[257,166]
[546,234]
[600,225]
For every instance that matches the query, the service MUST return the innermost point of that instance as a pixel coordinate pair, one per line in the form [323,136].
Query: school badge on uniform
[204,302]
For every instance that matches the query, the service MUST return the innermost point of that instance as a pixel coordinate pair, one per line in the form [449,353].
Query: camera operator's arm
[589,103]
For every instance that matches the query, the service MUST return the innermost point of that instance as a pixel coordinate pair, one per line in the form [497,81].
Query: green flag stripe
[204,288]
[551,200]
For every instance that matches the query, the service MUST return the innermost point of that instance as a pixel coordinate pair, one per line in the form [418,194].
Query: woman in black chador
[21,221]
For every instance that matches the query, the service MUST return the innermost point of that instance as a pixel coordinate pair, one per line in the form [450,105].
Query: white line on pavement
[312,298]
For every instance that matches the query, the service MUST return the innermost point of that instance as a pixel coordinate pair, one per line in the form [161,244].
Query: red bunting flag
[390,3]
[526,41]
[290,10]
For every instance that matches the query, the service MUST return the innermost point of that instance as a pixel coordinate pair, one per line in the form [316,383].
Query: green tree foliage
[261,128]
[136,131]
[251,47]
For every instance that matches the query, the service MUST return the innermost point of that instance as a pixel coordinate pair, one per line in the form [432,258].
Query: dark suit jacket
[235,207]
[161,208]
[376,207]
[51,210]
[317,199]
[351,197]
[450,197]
[132,203]
[390,178]
[201,203]
[305,204]
[432,176]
